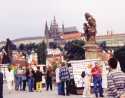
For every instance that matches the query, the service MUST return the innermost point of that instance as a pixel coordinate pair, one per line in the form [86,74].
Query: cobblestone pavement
[43,94]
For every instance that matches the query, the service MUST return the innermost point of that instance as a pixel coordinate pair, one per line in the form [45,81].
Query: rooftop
[68,29]
[75,35]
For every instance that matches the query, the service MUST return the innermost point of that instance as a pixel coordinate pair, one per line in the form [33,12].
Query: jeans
[49,84]
[1,90]
[59,88]
[31,84]
[97,80]
[63,83]
[24,85]
[18,83]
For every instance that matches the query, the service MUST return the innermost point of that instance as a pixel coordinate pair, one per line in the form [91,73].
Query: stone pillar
[92,51]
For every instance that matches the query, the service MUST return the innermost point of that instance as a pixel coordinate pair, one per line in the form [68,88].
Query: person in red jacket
[97,80]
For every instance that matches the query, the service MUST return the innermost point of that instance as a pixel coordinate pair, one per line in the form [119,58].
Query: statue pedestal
[92,51]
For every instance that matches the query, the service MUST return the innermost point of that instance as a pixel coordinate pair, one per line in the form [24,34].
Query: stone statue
[89,28]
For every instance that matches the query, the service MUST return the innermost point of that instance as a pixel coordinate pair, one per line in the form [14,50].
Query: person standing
[104,77]
[49,76]
[64,76]
[10,79]
[58,80]
[1,84]
[30,76]
[38,80]
[24,79]
[19,74]
[87,81]
[71,82]
[97,80]
[116,80]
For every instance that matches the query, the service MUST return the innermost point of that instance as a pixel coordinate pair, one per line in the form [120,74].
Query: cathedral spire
[51,26]
[46,30]
[63,28]
[54,20]
[54,25]
[46,33]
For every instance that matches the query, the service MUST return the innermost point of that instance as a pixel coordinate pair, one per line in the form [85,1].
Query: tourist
[71,81]
[1,84]
[58,80]
[19,74]
[64,76]
[24,79]
[97,80]
[104,76]
[49,75]
[34,73]
[30,77]
[87,81]
[38,80]
[10,79]
[116,80]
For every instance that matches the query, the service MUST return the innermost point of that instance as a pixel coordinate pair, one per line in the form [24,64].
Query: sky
[26,18]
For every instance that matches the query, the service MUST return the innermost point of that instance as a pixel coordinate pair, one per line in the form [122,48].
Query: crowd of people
[26,78]
[30,79]
[23,76]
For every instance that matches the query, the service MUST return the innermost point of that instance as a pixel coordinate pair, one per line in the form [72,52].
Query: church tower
[46,30]
[46,33]
[54,27]
[54,32]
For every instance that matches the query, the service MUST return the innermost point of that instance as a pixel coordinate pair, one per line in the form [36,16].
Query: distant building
[60,35]
[19,59]
[26,40]
[112,40]
[54,56]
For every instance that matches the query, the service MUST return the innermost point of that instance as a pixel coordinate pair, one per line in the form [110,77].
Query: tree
[21,46]
[41,52]
[30,47]
[7,51]
[74,50]
[103,45]
[52,45]
[40,49]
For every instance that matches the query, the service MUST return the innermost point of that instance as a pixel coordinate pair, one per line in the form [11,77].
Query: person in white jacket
[10,79]
[87,82]
[58,82]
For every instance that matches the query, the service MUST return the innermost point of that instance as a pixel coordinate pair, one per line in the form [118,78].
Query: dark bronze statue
[89,27]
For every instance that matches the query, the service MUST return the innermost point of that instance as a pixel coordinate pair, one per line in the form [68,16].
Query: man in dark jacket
[49,75]
[38,79]
[1,85]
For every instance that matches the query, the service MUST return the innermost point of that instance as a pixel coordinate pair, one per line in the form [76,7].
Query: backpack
[83,74]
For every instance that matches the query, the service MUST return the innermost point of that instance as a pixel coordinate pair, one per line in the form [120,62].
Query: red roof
[74,35]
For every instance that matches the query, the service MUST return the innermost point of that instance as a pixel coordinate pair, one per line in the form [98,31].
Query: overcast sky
[26,18]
